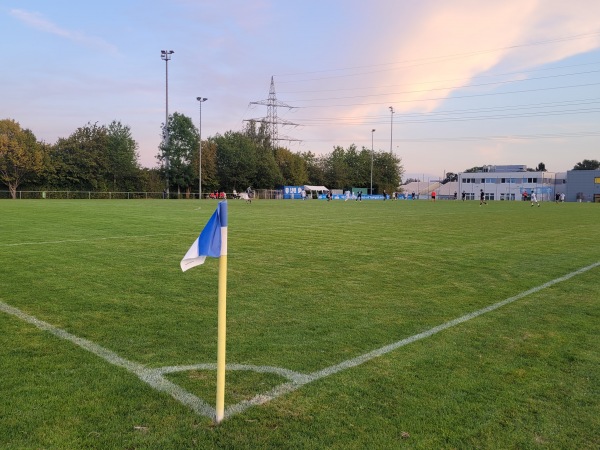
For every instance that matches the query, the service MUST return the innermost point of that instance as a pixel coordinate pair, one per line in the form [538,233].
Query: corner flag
[213,242]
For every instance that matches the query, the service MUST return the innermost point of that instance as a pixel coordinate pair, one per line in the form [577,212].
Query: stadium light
[200,101]
[391,125]
[372,131]
[165,55]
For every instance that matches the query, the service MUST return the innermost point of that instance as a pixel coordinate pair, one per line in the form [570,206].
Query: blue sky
[471,82]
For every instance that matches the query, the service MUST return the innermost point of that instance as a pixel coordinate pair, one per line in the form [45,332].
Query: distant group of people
[526,196]
[217,194]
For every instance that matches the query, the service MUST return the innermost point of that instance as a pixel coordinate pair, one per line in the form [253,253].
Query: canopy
[315,188]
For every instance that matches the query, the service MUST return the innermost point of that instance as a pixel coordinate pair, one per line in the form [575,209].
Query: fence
[96,195]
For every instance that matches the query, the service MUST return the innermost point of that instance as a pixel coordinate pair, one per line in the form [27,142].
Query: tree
[450,177]
[475,169]
[178,151]
[587,164]
[267,174]
[210,181]
[21,156]
[260,136]
[315,166]
[236,160]
[80,161]
[541,167]
[387,171]
[121,152]
[292,167]
[337,173]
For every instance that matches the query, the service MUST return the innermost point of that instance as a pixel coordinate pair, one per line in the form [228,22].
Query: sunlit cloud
[39,22]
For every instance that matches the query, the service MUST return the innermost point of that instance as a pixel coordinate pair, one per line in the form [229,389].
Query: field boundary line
[154,377]
[353,362]
[69,241]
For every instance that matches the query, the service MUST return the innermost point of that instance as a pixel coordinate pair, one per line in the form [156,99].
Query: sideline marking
[155,378]
[67,241]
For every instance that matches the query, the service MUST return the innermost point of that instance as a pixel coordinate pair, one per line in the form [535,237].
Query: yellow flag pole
[222,328]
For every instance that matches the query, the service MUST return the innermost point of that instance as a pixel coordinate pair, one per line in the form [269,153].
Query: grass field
[312,286]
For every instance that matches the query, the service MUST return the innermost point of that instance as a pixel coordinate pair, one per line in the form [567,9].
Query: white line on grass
[68,241]
[151,376]
[154,377]
[292,386]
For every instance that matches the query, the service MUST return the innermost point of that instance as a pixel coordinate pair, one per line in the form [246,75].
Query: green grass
[310,285]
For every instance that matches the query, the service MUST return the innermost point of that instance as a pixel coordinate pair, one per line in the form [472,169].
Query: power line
[447,88]
[462,86]
[432,59]
[579,134]
[404,116]
[452,98]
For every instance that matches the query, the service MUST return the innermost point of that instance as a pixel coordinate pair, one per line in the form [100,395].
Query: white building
[510,182]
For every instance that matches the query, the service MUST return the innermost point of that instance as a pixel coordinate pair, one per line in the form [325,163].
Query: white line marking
[151,376]
[68,241]
[294,385]
[154,377]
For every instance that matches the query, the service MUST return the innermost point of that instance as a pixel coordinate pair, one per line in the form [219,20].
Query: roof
[314,188]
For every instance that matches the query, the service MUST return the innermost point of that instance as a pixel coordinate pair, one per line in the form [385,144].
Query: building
[510,182]
[583,186]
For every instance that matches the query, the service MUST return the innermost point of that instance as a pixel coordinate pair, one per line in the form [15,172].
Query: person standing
[464,195]
[534,199]
[359,196]
[384,195]
[482,198]
[433,196]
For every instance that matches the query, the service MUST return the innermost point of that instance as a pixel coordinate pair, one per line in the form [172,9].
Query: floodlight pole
[200,101]
[372,131]
[166,56]
[391,125]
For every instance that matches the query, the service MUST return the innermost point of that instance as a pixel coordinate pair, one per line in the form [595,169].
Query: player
[482,198]
[534,199]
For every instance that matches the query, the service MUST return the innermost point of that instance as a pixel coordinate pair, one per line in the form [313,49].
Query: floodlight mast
[200,101]
[372,131]
[166,56]
[391,125]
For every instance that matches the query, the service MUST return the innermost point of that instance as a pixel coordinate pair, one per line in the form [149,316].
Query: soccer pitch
[349,325]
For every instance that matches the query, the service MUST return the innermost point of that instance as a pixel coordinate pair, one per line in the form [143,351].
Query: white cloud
[459,40]
[39,22]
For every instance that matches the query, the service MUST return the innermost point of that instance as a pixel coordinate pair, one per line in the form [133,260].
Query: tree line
[105,158]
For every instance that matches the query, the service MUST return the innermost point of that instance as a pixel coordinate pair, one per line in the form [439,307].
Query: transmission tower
[272,120]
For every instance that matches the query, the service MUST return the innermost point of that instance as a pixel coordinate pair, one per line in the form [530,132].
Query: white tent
[315,188]
[310,189]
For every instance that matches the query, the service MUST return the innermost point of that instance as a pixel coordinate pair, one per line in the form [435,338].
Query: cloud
[39,22]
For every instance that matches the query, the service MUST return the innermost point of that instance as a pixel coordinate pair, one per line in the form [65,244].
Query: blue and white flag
[211,242]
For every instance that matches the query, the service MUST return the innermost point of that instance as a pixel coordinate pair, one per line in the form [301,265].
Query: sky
[446,85]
